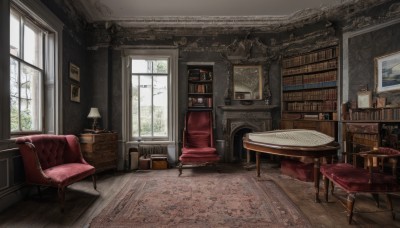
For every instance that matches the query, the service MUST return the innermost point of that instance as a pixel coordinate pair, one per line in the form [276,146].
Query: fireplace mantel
[256,118]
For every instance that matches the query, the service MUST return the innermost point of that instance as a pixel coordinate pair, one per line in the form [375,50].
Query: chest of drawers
[100,150]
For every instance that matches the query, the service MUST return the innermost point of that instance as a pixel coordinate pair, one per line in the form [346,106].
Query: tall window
[149,98]
[26,74]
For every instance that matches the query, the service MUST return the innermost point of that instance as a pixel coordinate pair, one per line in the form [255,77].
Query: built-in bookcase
[309,89]
[200,87]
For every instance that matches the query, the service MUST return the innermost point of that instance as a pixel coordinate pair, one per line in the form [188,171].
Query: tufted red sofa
[55,161]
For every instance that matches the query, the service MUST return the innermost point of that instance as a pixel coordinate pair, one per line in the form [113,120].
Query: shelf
[304,111]
[322,85]
[317,61]
[200,87]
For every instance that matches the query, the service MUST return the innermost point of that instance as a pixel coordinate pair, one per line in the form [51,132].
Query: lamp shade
[94,113]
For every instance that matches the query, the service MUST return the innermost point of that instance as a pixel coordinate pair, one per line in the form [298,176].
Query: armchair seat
[199,151]
[353,179]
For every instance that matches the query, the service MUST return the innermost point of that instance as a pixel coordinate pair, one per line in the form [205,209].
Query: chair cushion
[193,159]
[198,139]
[354,179]
[200,151]
[66,174]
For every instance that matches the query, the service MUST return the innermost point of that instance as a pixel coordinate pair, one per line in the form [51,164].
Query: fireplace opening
[239,153]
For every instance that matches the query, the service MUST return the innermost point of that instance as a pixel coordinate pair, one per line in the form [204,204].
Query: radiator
[147,150]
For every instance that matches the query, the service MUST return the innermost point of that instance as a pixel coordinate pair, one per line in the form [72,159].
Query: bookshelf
[309,91]
[200,87]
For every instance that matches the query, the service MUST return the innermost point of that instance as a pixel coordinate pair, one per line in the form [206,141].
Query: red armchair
[55,161]
[198,140]
[367,179]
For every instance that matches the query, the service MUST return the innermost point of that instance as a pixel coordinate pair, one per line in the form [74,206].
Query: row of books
[311,57]
[308,116]
[328,65]
[387,114]
[310,78]
[200,74]
[310,86]
[325,106]
[200,88]
[365,139]
[324,94]
[200,102]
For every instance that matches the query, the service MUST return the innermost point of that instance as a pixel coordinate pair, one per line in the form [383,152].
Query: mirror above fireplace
[247,82]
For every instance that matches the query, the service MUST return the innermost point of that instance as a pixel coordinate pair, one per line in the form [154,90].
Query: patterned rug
[214,200]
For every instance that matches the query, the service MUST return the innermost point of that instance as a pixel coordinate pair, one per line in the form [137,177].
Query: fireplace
[237,121]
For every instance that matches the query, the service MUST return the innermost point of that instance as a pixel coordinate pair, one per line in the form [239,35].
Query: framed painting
[75,93]
[74,72]
[387,72]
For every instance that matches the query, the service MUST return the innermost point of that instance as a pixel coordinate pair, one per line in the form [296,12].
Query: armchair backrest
[51,150]
[198,129]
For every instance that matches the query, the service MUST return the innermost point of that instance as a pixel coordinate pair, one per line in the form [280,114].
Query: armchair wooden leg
[351,198]
[326,186]
[332,187]
[180,168]
[376,198]
[390,204]
[94,181]
[61,196]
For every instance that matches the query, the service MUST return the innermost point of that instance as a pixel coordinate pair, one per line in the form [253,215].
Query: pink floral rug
[212,200]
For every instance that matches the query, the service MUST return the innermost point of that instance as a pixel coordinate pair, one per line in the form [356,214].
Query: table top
[321,150]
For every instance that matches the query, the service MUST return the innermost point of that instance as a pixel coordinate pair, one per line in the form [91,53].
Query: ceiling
[201,12]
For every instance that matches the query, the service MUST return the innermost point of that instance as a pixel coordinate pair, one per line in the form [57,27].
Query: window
[34,69]
[26,74]
[151,96]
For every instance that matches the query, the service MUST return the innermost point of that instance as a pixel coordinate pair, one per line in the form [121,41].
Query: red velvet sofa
[55,161]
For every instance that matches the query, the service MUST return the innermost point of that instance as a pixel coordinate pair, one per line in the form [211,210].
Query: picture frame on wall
[364,99]
[74,72]
[75,93]
[387,72]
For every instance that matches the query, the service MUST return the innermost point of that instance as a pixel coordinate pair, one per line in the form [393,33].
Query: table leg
[258,163]
[248,157]
[316,179]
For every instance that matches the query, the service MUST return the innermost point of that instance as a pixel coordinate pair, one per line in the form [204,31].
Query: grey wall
[362,51]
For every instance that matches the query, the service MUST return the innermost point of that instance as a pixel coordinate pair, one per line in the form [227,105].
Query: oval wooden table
[315,152]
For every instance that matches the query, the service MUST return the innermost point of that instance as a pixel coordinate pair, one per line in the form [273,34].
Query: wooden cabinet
[100,150]
[309,91]
[200,87]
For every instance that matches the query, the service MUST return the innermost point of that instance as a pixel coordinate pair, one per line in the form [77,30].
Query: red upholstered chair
[368,179]
[198,140]
[55,161]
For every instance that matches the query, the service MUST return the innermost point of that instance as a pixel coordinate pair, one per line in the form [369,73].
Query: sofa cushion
[66,174]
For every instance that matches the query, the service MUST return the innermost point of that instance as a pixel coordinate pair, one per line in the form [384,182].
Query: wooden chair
[368,179]
[198,140]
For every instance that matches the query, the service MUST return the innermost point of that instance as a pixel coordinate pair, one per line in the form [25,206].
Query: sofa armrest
[74,154]
[33,170]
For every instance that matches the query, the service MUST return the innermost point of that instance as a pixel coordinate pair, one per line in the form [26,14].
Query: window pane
[135,106]
[160,99]
[141,66]
[160,66]
[30,103]
[146,106]
[14,34]
[33,45]
[14,87]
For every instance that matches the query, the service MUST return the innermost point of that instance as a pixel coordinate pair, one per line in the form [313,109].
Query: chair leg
[351,198]
[39,191]
[376,198]
[94,181]
[180,168]
[389,199]
[332,187]
[61,196]
[326,186]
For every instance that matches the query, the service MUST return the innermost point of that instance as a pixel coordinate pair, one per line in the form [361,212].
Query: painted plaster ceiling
[203,12]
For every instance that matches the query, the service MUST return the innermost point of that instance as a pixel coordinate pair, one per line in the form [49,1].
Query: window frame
[172,56]
[51,84]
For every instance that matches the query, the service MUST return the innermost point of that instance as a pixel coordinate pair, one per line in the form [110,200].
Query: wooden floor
[83,202]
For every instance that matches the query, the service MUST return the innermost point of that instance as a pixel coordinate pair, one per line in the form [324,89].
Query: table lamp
[94,114]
